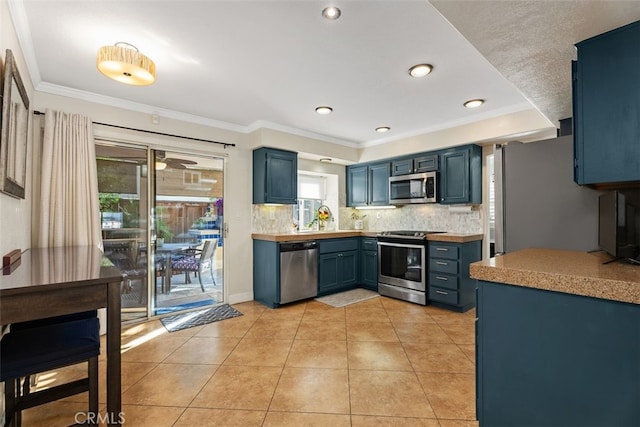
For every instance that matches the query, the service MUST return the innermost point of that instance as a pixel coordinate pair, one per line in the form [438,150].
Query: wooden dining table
[51,282]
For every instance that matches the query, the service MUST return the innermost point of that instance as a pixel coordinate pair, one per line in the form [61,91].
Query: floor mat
[199,317]
[348,297]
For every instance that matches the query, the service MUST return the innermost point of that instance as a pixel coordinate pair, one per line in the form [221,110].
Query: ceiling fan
[163,162]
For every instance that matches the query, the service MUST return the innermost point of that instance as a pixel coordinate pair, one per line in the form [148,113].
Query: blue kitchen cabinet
[450,285]
[369,263]
[548,358]
[424,162]
[337,265]
[368,184]
[357,192]
[275,176]
[266,272]
[606,104]
[460,178]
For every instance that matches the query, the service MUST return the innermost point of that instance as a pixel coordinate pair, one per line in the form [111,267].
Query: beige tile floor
[381,362]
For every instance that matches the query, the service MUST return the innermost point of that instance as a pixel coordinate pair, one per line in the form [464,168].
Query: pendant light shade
[124,63]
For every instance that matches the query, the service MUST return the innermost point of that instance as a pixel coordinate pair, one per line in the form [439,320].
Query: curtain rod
[226,144]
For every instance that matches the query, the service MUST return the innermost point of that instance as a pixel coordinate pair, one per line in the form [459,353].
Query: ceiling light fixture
[383,129]
[420,70]
[331,13]
[474,103]
[324,110]
[124,63]
[326,160]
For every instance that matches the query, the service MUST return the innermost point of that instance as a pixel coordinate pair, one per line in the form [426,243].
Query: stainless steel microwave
[414,188]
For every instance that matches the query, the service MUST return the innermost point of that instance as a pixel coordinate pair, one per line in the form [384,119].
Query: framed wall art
[15,129]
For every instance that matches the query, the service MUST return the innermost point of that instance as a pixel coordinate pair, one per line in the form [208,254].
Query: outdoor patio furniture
[195,260]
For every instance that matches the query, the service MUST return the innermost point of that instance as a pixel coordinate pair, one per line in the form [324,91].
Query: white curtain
[68,210]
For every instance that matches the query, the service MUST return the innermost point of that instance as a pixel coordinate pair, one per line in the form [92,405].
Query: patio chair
[198,261]
[131,260]
[38,346]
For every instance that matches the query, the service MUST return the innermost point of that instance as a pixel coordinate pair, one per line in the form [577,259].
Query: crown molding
[264,124]
[453,124]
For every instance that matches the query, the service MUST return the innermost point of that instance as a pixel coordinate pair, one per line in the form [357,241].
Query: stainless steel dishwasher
[298,271]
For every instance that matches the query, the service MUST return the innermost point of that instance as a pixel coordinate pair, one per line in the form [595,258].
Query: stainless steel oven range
[402,265]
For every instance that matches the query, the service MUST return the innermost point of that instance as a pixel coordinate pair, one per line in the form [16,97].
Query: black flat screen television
[619,224]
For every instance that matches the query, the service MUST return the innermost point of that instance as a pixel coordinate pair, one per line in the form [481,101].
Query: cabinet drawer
[443,251]
[446,296]
[338,245]
[443,281]
[443,266]
[370,244]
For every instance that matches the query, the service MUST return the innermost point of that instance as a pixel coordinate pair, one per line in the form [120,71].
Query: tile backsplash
[432,217]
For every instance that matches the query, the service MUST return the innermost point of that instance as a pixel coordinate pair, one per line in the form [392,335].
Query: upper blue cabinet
[418,164]
[275,176]
[368,184]
[606,107]
[461,175]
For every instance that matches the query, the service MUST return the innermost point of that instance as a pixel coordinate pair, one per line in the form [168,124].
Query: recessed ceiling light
[331,13]
[420,70]
[326,160]
[383,129]
[324,109]
[474,103]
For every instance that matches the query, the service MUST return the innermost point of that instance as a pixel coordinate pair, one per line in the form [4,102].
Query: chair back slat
[209,249]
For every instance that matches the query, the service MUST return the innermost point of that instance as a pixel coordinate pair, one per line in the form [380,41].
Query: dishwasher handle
[298,246]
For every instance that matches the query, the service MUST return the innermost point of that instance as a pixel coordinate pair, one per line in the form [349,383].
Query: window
[311,193]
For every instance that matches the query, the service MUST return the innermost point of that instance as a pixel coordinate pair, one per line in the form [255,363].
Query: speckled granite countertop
[316,235]
[571,272]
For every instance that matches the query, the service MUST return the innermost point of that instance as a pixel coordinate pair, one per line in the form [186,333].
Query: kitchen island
[558,340]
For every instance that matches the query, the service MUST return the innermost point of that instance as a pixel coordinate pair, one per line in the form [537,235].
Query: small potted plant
[162,232]
[358,222]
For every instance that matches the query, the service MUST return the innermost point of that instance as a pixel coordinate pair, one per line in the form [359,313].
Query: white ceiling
[243,65]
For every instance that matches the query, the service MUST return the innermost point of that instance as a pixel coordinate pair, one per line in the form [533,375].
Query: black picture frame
[14,130]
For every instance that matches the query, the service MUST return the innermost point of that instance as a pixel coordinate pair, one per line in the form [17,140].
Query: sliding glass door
[162,220]
[188,214]
[123,177]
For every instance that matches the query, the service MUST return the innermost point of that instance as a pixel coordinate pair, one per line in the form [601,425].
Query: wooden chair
[197,261]
[42,345]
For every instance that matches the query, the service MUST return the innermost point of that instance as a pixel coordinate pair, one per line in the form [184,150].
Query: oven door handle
[401,245]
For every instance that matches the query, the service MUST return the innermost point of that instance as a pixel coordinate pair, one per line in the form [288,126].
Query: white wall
[15,213]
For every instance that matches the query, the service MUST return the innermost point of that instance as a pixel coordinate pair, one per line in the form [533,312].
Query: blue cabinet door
[357,192]
[425,163]
[275,176]
[348,267]
[378,184]
[328,273]
[369,270]
[402,167]
[607,110]
[461,175]
[454,180]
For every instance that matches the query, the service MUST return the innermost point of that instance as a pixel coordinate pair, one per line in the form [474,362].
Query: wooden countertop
[317,235]
[571,272]
[454,237]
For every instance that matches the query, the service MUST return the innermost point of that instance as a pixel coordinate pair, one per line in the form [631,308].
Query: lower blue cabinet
[369,263]
[338,265]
